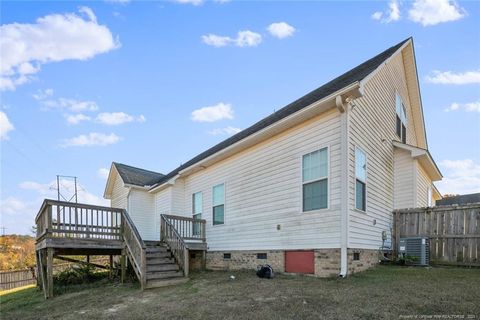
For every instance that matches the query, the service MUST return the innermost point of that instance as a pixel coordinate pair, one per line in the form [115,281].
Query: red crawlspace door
[300,261]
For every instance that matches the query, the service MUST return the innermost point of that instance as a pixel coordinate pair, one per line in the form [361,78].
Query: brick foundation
[327,261]
[368,259]
[245,260]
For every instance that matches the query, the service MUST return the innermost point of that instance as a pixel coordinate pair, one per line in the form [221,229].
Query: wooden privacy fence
[17,278]
[10,279]
[454,232]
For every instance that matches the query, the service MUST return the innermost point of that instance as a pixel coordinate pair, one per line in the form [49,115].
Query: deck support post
[186,260]
[111,267]
[88,258]
[39,265]
[123,266]
[204,260]
[49,288]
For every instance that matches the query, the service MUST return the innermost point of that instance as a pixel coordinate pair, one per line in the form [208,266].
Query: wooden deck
[65,228]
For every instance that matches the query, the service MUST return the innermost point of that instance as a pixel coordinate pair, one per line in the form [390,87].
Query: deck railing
[136,249]
[59,219]
[188,228]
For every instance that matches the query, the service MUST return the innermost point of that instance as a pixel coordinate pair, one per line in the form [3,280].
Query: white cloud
[5,126]
[225,131]
[216,41]
[245,38]
[91,139]
[193,2]
[103,173]
[67,189]
[116,118]
[432,12]
[248,38]
[377,15]
[449,77]
[12,206]
[52,38]
[118,1]
[213,113]
[43,94]
[461,177]
[72,105]
[390,15]
[469,107]
[281,30]
[77,118]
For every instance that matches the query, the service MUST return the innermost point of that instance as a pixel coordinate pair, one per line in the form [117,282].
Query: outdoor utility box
[416,248]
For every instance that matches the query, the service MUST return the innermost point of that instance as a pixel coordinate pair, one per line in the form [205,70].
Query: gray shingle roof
[137,176]
[356,74]
[459,200]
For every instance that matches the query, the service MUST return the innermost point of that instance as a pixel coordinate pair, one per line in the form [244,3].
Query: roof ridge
[353,75]
[138,168]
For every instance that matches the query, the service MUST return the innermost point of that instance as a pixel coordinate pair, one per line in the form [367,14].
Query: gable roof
[356,74]
[137,176]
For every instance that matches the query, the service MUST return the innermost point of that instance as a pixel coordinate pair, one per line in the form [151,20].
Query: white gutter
[353,90]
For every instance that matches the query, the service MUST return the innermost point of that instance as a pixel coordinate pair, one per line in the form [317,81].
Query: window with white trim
[360,179]
[197,208]
[401,119]
[218,203]
[315,180]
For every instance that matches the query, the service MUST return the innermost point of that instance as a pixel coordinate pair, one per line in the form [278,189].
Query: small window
[315,180]
[356,256]
[401,119]
[197,208]
[261,256]
[360,179]
[218,204]
[227,256]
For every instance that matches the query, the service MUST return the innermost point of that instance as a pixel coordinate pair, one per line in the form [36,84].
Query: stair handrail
[136,248]
[178,247]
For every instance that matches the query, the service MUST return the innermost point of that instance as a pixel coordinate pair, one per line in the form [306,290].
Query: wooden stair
[162,270]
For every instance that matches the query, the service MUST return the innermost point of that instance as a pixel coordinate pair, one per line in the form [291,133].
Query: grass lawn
[387,292]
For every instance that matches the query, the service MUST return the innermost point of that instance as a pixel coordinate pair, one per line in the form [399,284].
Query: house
[308,189]
[459,200]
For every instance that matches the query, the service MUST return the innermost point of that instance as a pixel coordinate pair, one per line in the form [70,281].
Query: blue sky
[152,84]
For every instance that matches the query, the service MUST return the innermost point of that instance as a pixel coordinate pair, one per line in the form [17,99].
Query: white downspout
[343,105]
[344,125]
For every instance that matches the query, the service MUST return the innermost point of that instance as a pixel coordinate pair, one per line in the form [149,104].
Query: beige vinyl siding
[119,194]
[372,128]
[141,207]
[422,185]
[404,194]
[163,202]
[163,205]
[263,190]
[178,200]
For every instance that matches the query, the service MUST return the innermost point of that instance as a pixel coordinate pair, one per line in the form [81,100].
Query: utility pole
[3,230]
[67,198]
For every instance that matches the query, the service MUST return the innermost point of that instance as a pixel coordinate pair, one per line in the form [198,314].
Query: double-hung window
[315,180]
[218,202]
[360,179]
[401,126]
[197,208]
